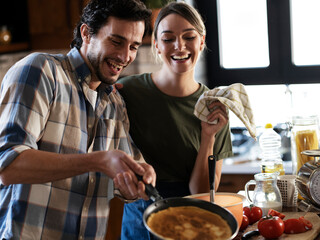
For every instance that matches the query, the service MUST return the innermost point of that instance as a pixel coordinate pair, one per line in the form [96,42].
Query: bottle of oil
[270,143]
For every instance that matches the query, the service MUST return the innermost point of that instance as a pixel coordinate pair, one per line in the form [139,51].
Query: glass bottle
[304,136]
[266,193]
[270,143]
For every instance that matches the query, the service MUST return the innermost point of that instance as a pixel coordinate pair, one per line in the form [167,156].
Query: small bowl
[231,201]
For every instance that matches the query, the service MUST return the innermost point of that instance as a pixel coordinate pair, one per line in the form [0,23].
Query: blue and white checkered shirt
[44,105]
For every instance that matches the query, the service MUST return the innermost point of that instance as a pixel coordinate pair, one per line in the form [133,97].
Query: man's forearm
[35,166]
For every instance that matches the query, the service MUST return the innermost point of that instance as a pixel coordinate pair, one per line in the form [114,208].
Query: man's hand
[117,86]
[123,169]
[129,185]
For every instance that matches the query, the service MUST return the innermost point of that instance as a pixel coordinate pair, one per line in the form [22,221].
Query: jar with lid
[304,136]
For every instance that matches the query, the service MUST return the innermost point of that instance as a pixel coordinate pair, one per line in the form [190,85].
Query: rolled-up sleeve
[25,97]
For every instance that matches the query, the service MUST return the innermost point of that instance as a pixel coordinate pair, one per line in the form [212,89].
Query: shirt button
[81,237]
[92,180]
[85,209]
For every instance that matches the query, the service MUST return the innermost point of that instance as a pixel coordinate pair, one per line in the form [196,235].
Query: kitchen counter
[237,172]
[238,166]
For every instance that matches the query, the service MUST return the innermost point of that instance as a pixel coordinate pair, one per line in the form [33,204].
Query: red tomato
[295,225]
[253,213]
[244,223]
[246,211]
[306,222]
[273,212]
[271,226]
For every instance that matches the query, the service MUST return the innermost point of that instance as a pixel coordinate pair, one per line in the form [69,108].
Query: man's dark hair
[96,14]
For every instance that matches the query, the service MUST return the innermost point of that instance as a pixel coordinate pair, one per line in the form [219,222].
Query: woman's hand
[220,114]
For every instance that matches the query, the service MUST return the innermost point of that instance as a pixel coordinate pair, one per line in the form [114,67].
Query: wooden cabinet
[14,47]
[234,182]
[51,23]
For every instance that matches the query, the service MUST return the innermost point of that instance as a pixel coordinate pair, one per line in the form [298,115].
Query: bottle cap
[268,125]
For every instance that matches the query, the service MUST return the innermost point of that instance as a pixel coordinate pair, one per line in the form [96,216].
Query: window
[259,42]
[305,22]
[243,37]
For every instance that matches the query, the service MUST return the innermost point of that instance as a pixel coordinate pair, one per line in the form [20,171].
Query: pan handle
[151,191]
[212,170]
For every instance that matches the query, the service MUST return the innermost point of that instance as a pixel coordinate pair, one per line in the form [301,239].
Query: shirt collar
[82,70]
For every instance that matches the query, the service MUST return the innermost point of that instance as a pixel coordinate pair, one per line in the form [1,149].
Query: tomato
[244,223]
[293,225]
[306,222]
[254,213]
[246,211]
[273,212]
[271,226]
[297,225]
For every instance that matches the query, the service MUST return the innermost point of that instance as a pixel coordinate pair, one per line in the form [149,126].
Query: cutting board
[309,235]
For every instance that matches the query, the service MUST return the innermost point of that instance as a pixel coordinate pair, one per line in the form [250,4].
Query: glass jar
[304,136]
[266,193]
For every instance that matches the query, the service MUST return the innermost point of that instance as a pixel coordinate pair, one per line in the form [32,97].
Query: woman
[160,108]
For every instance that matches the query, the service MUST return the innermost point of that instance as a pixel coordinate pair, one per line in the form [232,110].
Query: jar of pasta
[305,136]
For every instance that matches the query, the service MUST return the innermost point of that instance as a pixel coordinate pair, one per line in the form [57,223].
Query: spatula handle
[212,171]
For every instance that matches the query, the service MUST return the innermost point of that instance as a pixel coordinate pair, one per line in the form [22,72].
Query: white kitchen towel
[235,98]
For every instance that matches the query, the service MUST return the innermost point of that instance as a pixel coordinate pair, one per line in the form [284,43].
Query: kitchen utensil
[308,178]
[212,172]
[150,190]
[179,201]
[249,235]
[266,193]
[161,204]
[288,190]
[231,201]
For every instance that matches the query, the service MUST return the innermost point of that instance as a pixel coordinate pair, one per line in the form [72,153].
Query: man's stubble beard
[95,63]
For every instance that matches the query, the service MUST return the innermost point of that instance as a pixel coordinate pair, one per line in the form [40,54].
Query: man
[64,130]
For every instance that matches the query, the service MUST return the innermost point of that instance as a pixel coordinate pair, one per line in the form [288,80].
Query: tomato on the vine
[271,226]
[273,212]
[254,213]
[297,225]
[244,223]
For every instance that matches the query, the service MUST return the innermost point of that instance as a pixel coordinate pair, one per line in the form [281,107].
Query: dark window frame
[281,69]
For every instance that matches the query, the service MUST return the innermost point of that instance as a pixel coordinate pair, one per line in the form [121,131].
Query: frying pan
[161,204]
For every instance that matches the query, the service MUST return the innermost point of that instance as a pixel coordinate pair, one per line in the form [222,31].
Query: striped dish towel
[235,98]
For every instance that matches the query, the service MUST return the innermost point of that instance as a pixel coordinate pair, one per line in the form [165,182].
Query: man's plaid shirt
[44,105]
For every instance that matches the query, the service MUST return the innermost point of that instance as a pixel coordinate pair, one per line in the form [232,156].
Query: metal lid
[312,153]
[305,120]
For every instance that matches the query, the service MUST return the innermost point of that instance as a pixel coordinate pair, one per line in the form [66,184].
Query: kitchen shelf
[14,47]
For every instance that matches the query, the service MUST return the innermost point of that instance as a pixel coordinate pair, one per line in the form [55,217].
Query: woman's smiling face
[179,44]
